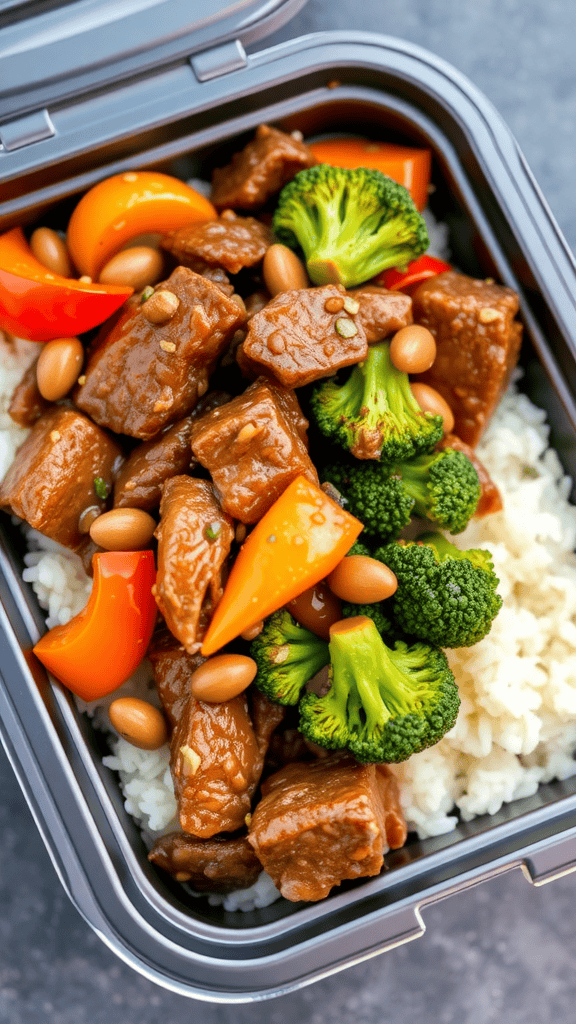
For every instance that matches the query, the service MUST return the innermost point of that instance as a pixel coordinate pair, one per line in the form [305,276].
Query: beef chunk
[194,539]
[209,865]
[173,667]
[216,765]
[266,717]
[230,242]
[477,341]
[381,312]
[253,449]
[260,170]
[490,498]
[140,481]
[143,376]
[27,404]
[52,479]
[323,821]
[297,340]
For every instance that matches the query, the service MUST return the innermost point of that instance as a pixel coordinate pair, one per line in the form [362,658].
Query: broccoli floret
[384,704]
[444,487]
[445,596]
[370,611]
[375,497]
[358,548]
[374,414]
[287,656]
[349,224]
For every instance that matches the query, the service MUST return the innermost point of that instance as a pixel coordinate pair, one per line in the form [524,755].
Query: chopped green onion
[101,487]
[212,531]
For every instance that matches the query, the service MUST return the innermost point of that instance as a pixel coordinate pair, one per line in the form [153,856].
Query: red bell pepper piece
[38,305]
[100,648]
[417,271]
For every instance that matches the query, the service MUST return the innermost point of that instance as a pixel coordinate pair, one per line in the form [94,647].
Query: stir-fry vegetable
[100,648]
[350,224]
[126,205]
[408,166]
[408,280]
[38,305]
[298,542]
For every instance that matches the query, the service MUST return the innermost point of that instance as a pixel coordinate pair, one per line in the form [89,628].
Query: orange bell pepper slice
[38,305]
[126,205]
[302,537]
[407,165]
[100,648]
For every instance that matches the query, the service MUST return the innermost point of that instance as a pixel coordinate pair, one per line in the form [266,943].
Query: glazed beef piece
[266,717]
[173,668]
[477,341]
[490,498]
[253,449]
[143,376]
[216,765]
[140,481]
[297,340]
[209,865]
[381,312]
[57,469]
[260,170]
[194,539]
[230,242]
[321,822]
[27,404]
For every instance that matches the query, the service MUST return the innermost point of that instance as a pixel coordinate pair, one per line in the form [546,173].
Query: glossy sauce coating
[316,609]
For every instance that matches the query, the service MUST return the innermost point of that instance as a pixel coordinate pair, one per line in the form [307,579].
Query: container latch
[221,60]
[23,131]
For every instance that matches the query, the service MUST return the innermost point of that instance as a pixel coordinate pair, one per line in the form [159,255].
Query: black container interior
[482,244]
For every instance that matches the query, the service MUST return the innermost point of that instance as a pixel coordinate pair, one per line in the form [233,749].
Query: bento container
[173,103]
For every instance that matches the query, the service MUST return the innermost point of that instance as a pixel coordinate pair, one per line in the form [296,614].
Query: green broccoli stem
[359,250]
[361,662]
[415,479]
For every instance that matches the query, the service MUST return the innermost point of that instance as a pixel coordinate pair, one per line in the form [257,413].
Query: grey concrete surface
[503,952]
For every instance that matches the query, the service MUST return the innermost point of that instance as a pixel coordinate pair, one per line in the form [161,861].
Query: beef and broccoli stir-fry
[264,398]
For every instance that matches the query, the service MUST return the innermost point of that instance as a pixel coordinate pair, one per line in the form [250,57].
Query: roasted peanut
[253,632]
[138,722]
[50,249]
[316,609]
[359,579]
[222,678]
[58,367]
[123,529]
[282,270]
[161,306]
[430,400]
[413,349]
[136,267]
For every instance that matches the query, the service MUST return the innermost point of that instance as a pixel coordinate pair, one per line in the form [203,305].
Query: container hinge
[23,131]
[219,61]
